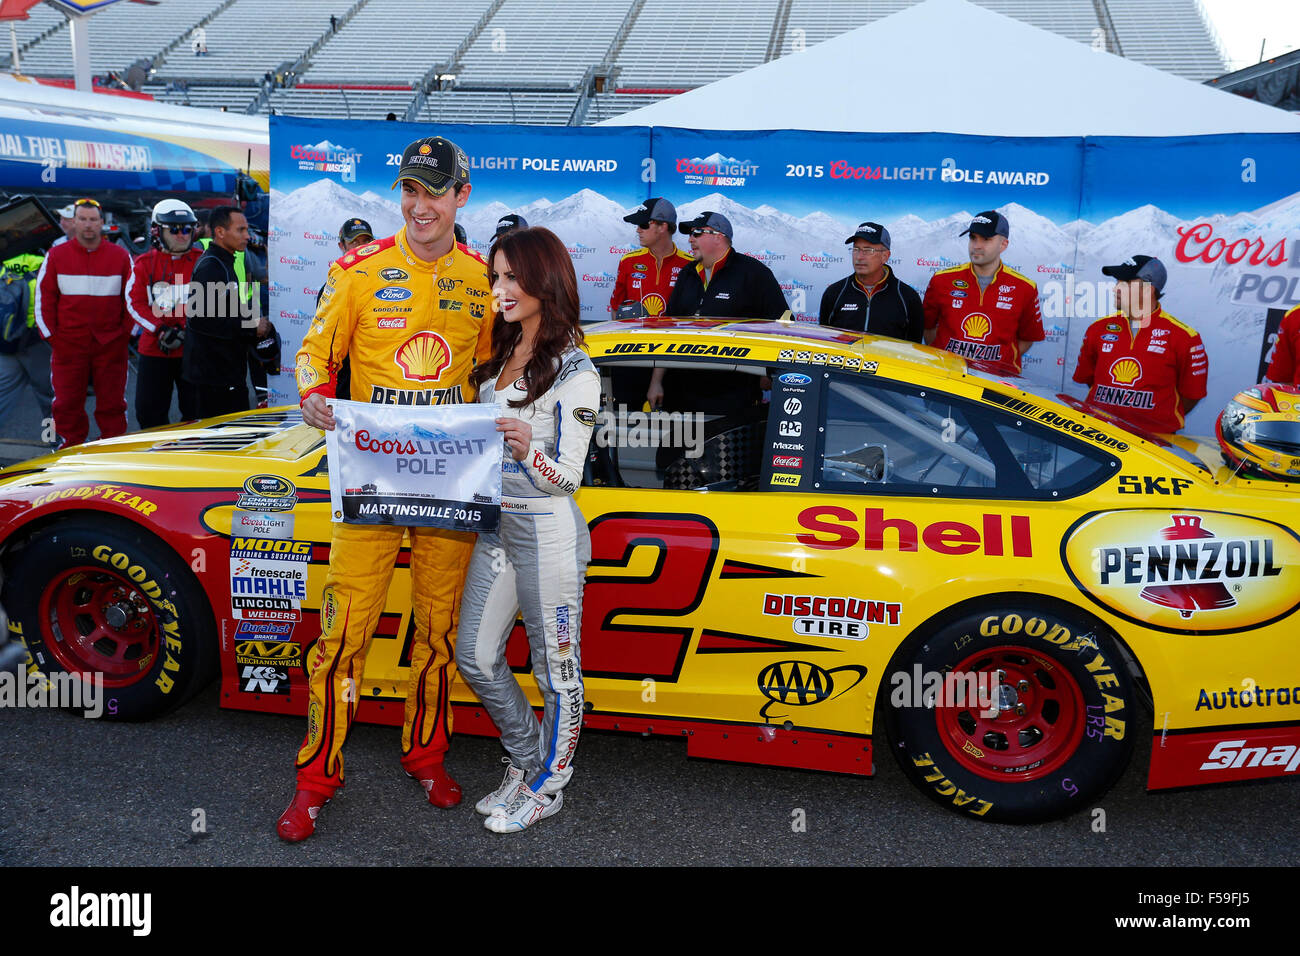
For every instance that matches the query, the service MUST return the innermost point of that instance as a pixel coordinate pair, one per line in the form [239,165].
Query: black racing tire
[102,596]
[1063,730]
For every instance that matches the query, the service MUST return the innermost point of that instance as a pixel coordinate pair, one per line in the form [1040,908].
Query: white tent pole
[80,52]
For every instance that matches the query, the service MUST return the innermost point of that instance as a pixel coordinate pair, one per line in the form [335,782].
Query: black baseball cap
[510,223]
[355,228]
[870,232]
[1147,268]
[708,220]
[435,163]
[989,224]
[656,209]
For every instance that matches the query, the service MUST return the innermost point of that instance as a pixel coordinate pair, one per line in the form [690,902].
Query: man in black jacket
[873,299]
[724,283]
[223,318]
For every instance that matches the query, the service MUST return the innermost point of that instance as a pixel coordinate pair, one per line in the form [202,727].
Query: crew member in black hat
[873,299]
[724,282]
[353,234]
[509,223]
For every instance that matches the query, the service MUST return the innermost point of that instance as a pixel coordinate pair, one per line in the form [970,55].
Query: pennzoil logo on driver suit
[1186,572]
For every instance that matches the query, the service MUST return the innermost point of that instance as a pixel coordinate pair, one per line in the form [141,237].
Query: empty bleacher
[410,46]
[343,103]
[249,37]
[1170,35]
[478,106]
[41,20]
[523,61]
[119,35]
[677,44]
[530,43]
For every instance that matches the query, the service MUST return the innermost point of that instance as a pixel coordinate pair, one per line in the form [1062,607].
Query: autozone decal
[1082,430]
[846,529]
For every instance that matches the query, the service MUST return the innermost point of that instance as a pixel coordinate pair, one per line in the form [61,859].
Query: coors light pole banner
[423,466]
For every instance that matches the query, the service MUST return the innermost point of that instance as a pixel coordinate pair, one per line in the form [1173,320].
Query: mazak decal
[1201,572]
[813,615]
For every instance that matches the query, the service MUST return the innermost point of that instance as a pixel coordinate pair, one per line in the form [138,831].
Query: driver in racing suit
[412,313]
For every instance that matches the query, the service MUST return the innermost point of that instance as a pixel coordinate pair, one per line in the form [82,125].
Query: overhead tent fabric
[949,66]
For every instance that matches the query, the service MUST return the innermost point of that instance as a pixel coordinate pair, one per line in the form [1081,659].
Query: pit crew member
[415,348]
[155,296]
[1142,365]
[982,310]
[1284,369]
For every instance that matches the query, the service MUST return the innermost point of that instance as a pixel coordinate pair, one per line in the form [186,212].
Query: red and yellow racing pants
[361,566]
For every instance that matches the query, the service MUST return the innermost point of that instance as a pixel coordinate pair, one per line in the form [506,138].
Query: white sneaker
[502,795]
[524,810]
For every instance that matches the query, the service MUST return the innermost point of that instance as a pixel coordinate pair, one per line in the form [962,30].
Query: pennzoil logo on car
[1185,572]
[267,493]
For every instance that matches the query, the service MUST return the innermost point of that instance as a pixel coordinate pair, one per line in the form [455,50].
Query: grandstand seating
[385,43]
[525,61]
[678,44]
[526,44]
[473,106]
[243,45]
[41,19]
[346,104]
[119,35]
[1170,35]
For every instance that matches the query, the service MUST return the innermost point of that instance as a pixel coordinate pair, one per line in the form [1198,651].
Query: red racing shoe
[442,790]
[299,821]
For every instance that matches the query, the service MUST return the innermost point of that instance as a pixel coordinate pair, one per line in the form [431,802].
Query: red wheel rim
[1040,714]
[99,622]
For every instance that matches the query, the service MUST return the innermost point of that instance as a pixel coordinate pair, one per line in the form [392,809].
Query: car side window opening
[707,435]
[883,437]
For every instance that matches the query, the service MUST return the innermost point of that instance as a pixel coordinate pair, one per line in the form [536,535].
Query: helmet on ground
[1259,432]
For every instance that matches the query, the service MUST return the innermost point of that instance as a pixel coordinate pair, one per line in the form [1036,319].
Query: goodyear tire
[1015,714]
[103,597]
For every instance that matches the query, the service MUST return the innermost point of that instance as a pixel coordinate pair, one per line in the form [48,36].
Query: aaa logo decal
[800,684]
[1186,572]
[423,357]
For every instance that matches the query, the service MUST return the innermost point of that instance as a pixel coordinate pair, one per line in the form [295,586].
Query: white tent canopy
[952,67]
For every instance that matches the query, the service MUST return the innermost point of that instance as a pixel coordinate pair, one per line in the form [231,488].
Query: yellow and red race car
[894,547]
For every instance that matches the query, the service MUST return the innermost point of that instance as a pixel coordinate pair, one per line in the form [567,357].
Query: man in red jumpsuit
[1144,366]
[647,275]
[413,313]
[81,312]
[1284,369]
[155,297]
[983,311]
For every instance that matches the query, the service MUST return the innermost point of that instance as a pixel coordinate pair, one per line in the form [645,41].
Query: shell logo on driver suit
[423,357]
[976,326]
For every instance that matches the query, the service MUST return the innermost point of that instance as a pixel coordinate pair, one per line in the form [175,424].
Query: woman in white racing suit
[536,562]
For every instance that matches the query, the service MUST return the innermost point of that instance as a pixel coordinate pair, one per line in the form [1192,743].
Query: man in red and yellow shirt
[1145,367]
[1284,369]
[413,314]
[983,311]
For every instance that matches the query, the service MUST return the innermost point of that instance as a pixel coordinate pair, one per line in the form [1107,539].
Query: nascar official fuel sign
[1204,572]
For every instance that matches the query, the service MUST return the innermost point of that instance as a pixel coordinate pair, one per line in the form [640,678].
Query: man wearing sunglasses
[81,311]
[155,296]
[724,283]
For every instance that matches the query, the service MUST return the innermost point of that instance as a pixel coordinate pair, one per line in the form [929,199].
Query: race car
[893,548]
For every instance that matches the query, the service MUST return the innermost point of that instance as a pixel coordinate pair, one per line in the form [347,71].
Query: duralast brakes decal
[813,615]
[1203,572]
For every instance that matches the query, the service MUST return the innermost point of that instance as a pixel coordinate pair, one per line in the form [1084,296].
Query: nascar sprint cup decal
[1186,572]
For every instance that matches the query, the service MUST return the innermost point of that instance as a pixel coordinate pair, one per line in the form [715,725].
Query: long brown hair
[544,270]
